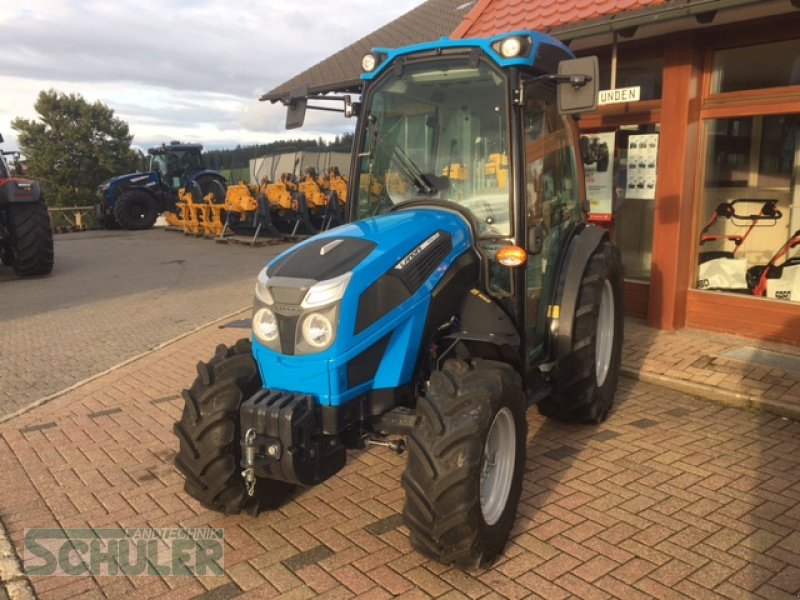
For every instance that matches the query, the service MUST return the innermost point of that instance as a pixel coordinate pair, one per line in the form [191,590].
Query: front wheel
[135,209]
[209,433]
[465,464]
[585,381]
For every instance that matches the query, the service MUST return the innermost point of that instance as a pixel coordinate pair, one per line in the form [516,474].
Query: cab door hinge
[519,96]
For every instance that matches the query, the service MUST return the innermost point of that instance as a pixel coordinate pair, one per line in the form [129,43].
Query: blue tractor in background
[466,286]
[135,200]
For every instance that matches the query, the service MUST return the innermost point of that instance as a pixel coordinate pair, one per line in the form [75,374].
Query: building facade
[693,160]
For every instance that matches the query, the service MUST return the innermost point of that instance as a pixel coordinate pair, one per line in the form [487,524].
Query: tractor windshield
[439,131]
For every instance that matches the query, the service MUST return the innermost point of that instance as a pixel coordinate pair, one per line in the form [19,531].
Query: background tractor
[135,200]
[26,238]
[450,301]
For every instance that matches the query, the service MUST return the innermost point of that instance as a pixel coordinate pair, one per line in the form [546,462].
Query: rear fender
[18,191]
[135,181]
[580,249]
[207,174]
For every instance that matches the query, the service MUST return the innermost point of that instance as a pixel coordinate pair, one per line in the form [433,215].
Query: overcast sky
[189,70]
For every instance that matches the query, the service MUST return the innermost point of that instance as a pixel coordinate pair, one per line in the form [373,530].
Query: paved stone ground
[699,363]
[113,295]
[673,497]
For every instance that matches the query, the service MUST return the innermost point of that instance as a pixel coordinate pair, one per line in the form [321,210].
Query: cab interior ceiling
[454,93]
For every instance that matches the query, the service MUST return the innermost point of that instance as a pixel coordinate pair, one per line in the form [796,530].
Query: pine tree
[73,147]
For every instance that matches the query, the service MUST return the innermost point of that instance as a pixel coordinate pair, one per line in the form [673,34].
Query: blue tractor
[135,200]
[466,286]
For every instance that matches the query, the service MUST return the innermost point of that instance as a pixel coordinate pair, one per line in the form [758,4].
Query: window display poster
[642,161]
[597,152]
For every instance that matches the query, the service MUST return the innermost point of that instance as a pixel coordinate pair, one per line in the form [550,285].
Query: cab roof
[540,51]
[175,147]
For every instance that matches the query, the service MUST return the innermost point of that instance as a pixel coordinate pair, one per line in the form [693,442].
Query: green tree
[73,147]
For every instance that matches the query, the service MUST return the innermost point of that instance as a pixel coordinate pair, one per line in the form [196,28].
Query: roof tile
[495,16]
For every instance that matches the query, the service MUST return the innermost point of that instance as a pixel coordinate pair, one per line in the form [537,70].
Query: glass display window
[646,73]
[620,167]
[775,64]
[749,242]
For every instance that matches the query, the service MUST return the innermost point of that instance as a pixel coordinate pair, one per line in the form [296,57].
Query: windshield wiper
[413,173]
[408,167]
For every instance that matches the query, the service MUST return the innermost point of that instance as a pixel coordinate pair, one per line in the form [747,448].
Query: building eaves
[342,71]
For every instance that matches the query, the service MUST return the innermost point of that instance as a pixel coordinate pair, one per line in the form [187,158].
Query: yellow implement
[310,187]
[336,185]
[279,194]
[497,168]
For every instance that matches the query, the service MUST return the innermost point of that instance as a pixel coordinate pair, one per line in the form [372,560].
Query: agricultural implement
[723,269]
[780,277]
[285,206]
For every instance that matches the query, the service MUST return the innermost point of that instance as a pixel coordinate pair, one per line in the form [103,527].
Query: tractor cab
[175,162]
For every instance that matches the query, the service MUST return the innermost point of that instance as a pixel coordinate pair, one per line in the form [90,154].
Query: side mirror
[1,138]
[578,85]
[296,113]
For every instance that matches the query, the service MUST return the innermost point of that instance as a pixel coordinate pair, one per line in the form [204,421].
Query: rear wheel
[30,248]
[209,433]
[585,381]
[135,209]
[214,186]
[465,464]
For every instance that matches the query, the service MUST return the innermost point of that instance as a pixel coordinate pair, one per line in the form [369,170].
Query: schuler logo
[136,551]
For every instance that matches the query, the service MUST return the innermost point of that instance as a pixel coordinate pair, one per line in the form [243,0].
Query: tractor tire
[30,248]
[217,188]
[209,434]
[212,185]
[584,383]
[135,209]
[465,463]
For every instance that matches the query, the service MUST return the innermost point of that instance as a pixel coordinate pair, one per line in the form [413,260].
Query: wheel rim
[604,341]
[497,466]
[137,211]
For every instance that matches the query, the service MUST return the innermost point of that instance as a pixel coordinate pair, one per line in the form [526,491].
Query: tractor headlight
[262,291]
[317,330]
[369,62]
[326,292]
[265,327]
[513,46]
[510,47]
[286,307]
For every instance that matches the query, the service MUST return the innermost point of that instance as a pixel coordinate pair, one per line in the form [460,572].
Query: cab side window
[552,198]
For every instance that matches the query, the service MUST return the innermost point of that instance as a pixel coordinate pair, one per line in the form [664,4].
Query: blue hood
[396,261]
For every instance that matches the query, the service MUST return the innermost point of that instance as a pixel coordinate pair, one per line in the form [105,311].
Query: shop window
[620,169]
[750,237]
[645,73]
[775,64]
